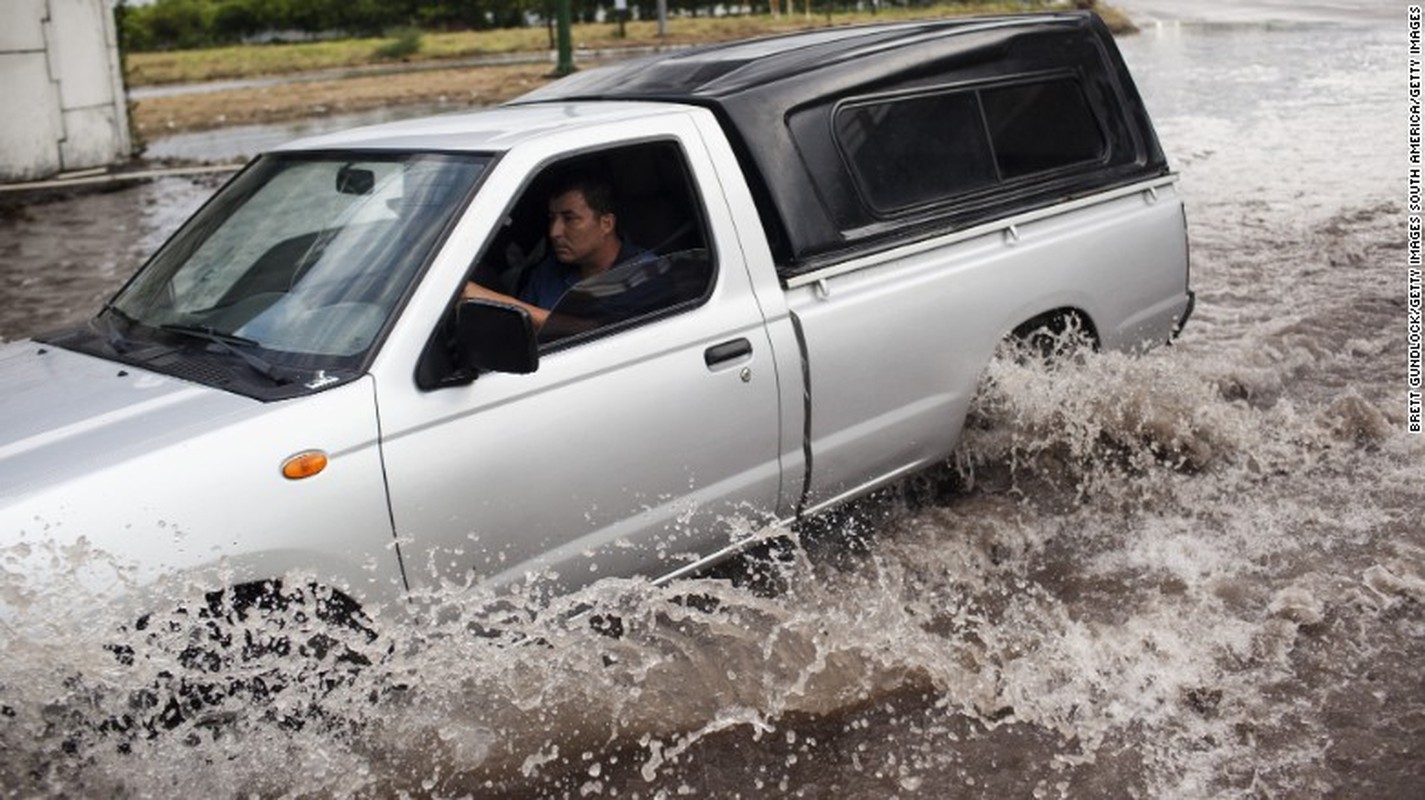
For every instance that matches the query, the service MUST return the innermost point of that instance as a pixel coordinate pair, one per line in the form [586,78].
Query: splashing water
[1092,606]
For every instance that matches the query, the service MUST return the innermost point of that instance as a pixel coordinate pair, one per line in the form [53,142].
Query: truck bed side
[896,343]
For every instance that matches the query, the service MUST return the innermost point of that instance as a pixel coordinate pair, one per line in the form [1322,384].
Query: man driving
[583,243]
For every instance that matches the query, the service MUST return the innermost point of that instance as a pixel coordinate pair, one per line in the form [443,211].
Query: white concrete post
[61,78]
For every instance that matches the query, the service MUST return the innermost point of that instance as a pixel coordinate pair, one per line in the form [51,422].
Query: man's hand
[474,291]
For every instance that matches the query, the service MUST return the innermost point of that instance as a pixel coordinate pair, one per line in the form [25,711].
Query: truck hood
[65,413]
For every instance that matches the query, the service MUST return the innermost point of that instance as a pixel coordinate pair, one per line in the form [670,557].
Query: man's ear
[608,222]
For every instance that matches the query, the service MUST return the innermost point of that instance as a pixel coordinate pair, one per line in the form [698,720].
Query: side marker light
[304,465]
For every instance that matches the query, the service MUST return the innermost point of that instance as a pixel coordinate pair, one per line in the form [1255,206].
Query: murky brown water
[1198,573]
[60,259]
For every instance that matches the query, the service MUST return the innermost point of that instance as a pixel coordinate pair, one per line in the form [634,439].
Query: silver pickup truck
[823,238]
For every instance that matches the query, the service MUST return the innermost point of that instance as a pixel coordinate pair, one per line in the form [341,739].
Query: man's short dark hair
[598,192]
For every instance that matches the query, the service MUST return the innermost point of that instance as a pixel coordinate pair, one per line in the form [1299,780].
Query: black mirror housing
[351,179]
[496,337]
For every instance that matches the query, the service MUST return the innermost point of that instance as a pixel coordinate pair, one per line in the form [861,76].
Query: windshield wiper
[230,343]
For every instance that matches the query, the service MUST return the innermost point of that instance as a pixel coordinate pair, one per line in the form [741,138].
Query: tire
[1054,337]
[257,652]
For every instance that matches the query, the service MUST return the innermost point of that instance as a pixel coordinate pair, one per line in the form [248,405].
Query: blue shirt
[550,279]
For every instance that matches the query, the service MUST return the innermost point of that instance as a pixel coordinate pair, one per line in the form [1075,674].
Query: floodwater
[1194,573]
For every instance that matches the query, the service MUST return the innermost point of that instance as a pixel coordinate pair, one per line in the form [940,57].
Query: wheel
[1054,337]
[257,652]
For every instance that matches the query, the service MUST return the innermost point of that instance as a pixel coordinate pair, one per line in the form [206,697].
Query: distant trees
[172,24]
[184,24]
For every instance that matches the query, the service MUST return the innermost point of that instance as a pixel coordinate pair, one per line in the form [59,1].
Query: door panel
[617,456]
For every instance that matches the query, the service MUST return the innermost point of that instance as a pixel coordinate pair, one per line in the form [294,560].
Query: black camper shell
[859,138]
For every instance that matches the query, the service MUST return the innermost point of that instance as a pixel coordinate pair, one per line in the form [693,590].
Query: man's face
[576,231]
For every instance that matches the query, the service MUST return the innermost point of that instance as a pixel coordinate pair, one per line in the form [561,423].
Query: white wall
[60,77]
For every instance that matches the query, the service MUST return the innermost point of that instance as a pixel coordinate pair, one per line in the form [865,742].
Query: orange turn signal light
[304,465]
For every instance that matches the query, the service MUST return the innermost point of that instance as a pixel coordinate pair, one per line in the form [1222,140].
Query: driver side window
[649,259]
[595,244]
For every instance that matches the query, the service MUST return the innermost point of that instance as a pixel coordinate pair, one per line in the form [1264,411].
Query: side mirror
[496,337]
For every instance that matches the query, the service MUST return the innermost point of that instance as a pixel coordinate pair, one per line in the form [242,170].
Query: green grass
[246,61]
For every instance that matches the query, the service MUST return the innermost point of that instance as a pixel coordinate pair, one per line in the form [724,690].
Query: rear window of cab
[908,151]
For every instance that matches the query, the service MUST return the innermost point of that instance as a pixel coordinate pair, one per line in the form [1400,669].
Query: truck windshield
[301,260]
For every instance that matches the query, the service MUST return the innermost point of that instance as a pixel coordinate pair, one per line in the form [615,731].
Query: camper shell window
[906,152]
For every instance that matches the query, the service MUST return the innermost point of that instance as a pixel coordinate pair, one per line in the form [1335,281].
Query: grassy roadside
[287,102]
[425,82]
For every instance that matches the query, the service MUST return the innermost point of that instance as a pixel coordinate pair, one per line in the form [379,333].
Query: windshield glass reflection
[302,257]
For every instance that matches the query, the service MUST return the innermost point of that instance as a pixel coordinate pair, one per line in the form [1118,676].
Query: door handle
[727,351]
